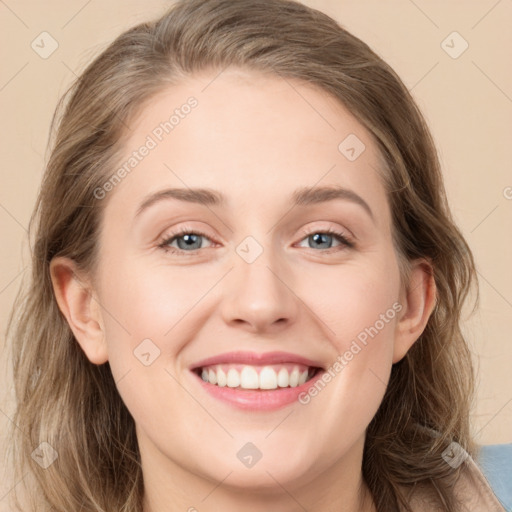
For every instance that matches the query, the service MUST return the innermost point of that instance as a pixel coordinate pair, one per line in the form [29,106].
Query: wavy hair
[74,405]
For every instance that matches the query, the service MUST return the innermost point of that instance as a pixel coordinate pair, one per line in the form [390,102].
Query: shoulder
[475,491]
[472,487]
[495,462]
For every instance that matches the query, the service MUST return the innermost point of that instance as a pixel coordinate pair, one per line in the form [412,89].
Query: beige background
[467,102]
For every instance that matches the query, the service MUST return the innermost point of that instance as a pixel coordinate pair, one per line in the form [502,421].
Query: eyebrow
[301,197]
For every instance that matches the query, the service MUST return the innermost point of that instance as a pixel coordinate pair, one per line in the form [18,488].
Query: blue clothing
[495,462]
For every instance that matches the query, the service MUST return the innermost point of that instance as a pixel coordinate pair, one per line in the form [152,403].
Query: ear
[418,301]
[76,300]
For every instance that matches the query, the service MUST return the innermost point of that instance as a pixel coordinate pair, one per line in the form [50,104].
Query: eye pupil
[190,240]
[318,237]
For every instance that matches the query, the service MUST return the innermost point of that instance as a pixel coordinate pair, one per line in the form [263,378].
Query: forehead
[255,137]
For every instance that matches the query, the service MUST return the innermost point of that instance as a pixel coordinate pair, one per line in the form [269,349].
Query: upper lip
[254,358]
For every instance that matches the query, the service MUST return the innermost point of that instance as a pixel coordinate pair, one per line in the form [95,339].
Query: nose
[260,297]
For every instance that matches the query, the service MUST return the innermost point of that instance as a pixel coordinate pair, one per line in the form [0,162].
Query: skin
[256,139]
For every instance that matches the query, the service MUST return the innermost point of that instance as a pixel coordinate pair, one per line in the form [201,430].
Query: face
[273,276]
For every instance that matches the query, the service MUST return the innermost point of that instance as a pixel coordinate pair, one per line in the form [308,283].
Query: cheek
[359,310]
[354,299]
[144,324]
[363,339]
[363,331]
[144,302]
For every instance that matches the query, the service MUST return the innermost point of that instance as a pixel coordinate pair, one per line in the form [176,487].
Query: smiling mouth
[252,377]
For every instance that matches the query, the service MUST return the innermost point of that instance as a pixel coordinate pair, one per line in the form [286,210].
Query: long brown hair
[74,406]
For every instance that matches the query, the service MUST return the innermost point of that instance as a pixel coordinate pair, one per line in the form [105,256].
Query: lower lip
[264,400]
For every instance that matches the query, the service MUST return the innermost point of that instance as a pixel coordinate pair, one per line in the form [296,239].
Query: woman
[260,371]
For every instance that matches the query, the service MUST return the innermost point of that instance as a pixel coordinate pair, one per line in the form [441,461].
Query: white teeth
[294,378]
[248,378]
[222,380]
[283,378]
[233,378]
[268,378]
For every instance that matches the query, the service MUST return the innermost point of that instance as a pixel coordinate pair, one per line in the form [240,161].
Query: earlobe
[76,300]
[418,301]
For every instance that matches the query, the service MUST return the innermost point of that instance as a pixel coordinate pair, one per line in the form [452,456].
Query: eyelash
[164,243]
